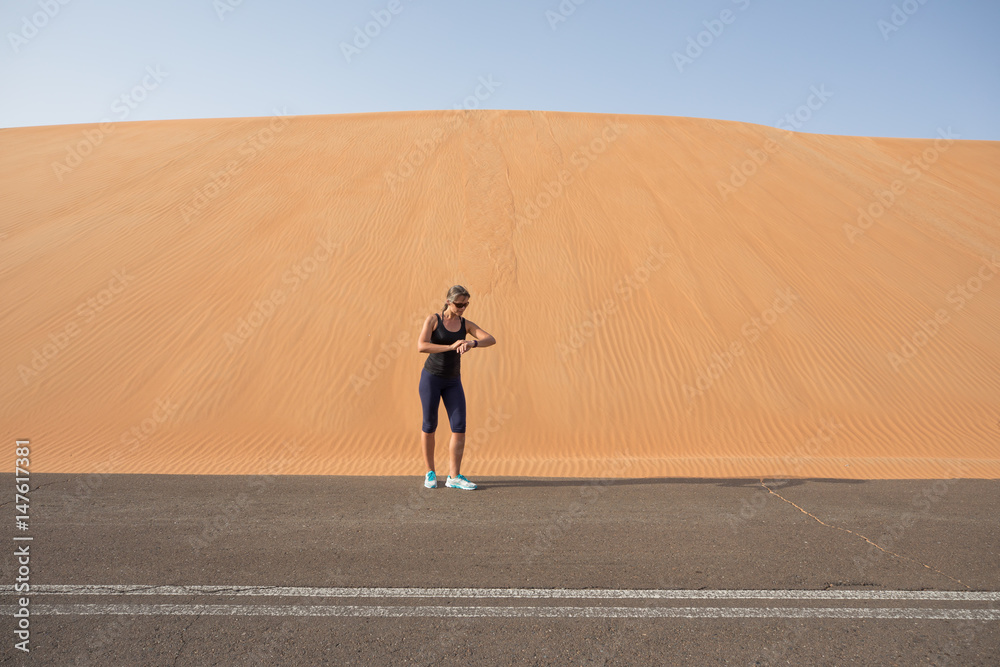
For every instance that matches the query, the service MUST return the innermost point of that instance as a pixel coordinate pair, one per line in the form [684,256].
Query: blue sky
[831,65]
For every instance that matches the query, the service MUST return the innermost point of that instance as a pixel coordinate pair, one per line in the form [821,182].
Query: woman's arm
[483,338]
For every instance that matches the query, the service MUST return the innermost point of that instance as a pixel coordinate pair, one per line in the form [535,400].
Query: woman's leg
[457,451]
[454,403]
[427,441]
[430,399]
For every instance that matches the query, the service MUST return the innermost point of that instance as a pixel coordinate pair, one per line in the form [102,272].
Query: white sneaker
[459,483]
[430,480]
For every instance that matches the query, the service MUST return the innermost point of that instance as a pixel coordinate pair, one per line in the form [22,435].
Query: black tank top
[445,364]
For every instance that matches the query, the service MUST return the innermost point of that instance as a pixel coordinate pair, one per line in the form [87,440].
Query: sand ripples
[647,324]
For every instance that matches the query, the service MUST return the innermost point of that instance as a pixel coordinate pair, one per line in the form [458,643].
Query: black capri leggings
[432,389]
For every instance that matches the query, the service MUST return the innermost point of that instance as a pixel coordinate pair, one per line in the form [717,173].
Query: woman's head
[459,294]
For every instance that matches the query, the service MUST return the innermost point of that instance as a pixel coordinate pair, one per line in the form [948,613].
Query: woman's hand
[462,346]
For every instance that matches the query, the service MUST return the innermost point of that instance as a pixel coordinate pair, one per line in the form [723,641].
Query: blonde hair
[455,291]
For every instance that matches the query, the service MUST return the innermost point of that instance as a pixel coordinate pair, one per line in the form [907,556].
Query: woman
[443,339]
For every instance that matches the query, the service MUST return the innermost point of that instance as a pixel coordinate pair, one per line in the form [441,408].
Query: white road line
[584,593]
[510,612]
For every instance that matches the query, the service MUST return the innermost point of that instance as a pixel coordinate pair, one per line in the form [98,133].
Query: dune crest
[671,296]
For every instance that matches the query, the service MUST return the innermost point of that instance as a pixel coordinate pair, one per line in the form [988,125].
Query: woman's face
[458,303]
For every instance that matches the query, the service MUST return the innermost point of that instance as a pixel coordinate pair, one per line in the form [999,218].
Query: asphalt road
[248,570]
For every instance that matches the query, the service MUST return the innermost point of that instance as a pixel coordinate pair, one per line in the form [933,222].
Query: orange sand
[244,296]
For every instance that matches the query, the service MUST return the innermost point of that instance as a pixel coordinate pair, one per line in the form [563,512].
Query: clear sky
[889,68]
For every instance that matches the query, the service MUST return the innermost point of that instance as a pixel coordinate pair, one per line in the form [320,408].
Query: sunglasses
[460,305]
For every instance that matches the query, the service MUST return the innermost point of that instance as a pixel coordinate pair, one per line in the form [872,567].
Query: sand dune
[671,296]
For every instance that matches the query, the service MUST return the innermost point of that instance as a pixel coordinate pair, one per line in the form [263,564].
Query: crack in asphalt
[184,641]
[11,502]
[891,553]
